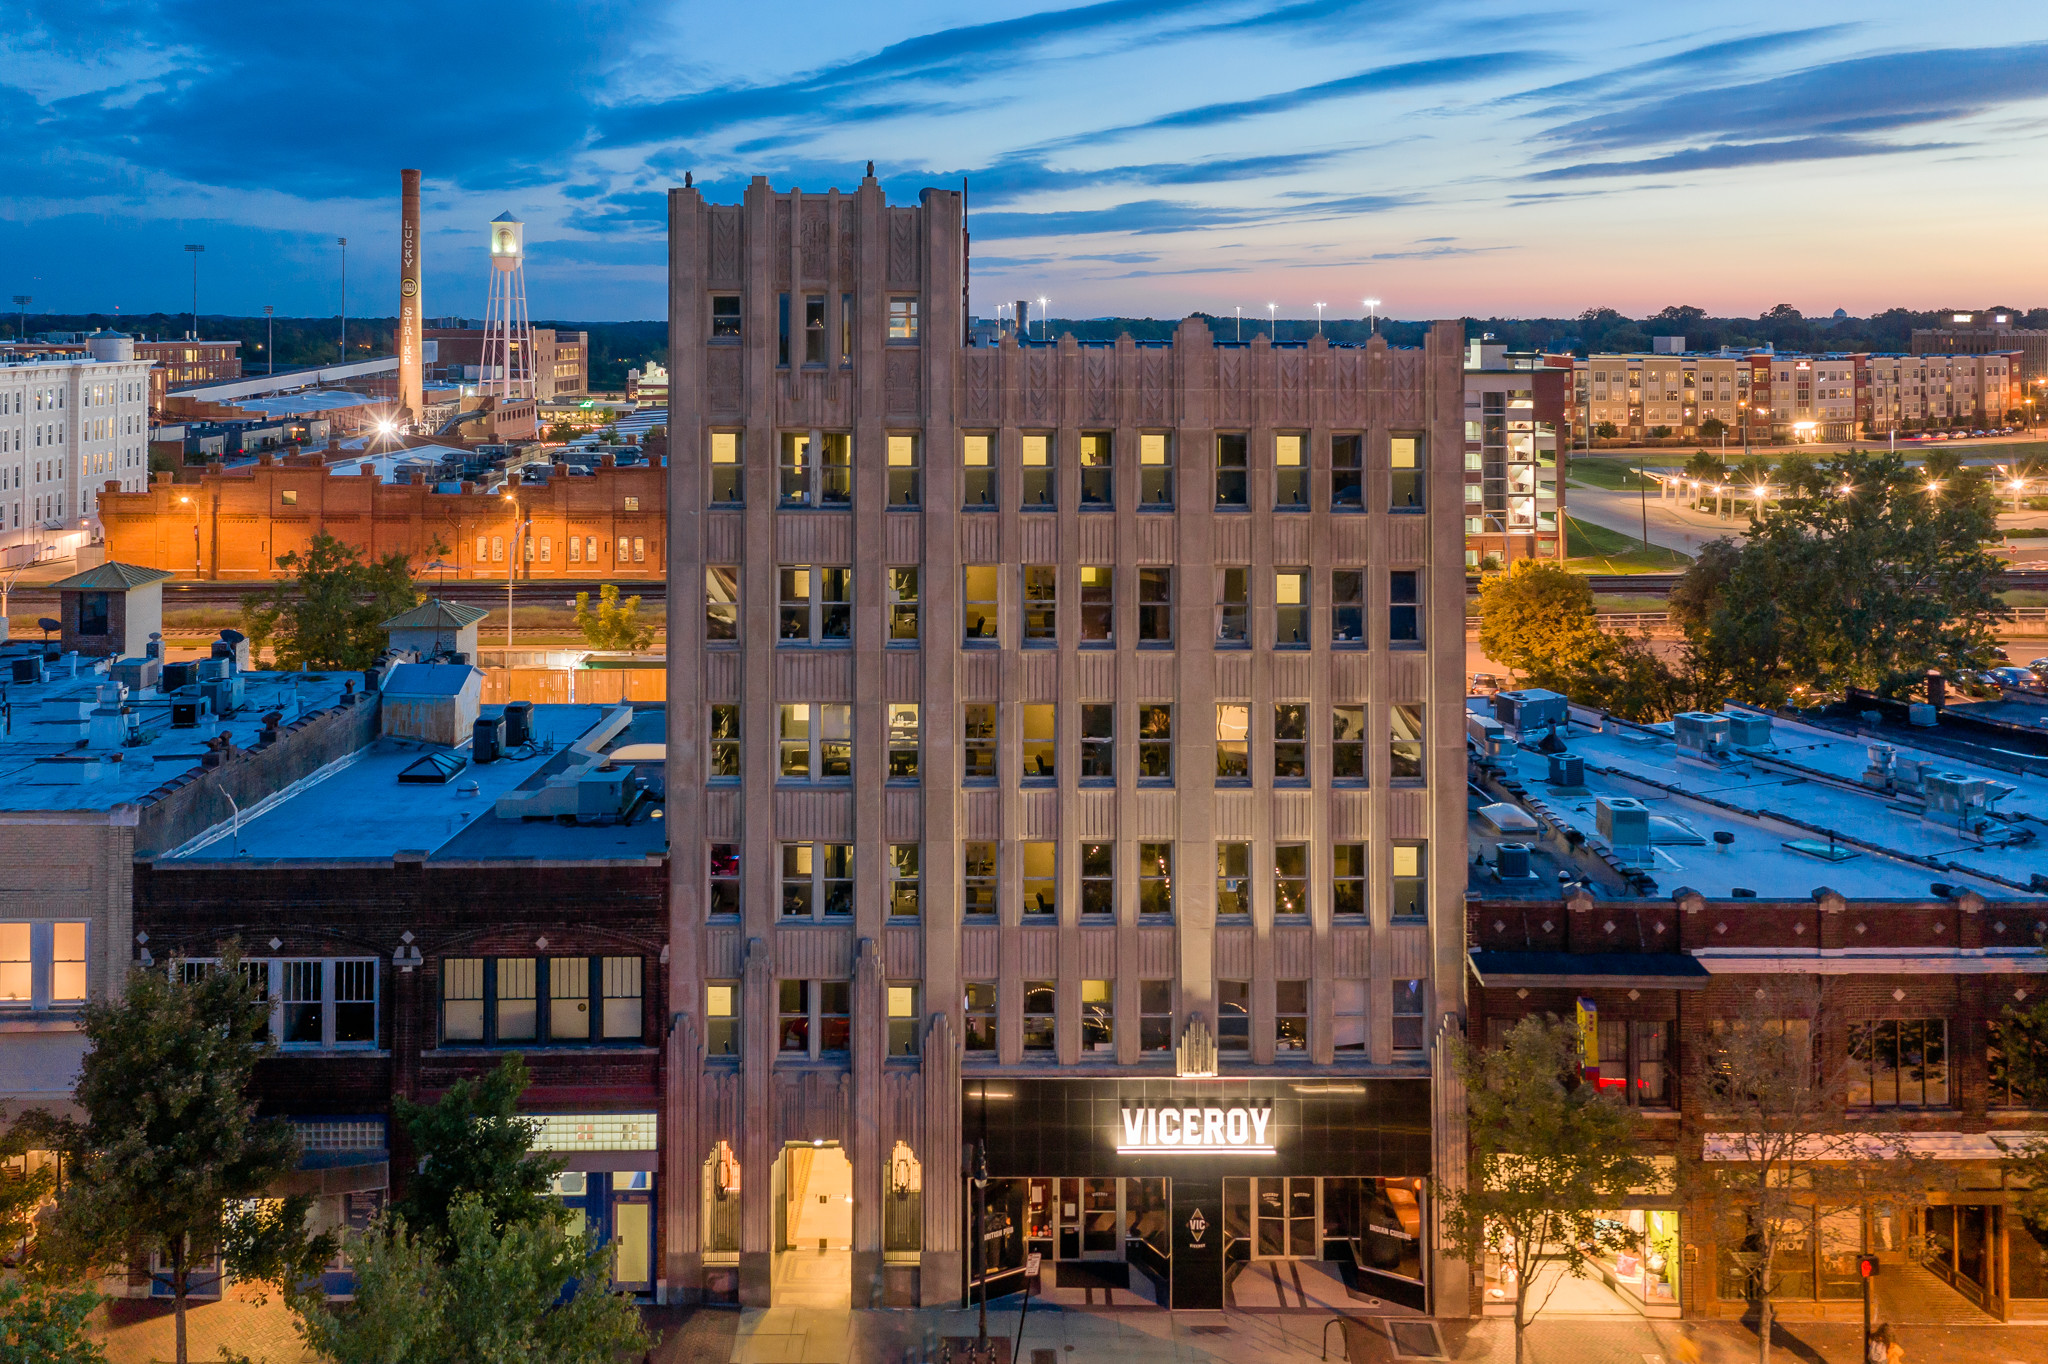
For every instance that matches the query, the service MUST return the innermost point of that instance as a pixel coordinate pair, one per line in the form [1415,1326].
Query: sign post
[1867,1268]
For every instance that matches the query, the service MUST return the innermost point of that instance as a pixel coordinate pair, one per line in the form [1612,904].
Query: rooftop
[1746,803]
[49,759]
[363,809]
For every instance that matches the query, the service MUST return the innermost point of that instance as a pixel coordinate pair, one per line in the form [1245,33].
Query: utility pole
[196,251]
[1643,499]
[343,243]
[270,339]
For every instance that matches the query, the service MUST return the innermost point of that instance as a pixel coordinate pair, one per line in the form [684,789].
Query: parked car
[2013,677]
[1486,684]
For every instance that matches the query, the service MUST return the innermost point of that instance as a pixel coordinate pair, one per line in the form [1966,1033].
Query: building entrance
[813,1195]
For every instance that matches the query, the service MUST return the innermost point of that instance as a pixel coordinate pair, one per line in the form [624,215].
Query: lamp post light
[342,242]
[511,562]
[269,340]
[981,1243]
[1240,323]
[1319,318]
[1044,316]
[1372,308]
[1272,321]
[196,252]
[21,302]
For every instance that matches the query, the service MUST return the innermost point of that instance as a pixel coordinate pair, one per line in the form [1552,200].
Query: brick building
[561,360]
[415,931]
[1819,858]
[1066,724]
[232,524]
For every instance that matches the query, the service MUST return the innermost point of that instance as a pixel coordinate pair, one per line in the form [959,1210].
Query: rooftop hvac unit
[1701,735]
[1511,862]
[1625,823]
[1746,730]
[1487,736]
[1956,800]
[1567,769]
[518,724]
[177,675]
[1530,710]
[487,738]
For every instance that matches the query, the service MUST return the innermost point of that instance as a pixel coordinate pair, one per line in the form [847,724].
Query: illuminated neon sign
[1237,1129]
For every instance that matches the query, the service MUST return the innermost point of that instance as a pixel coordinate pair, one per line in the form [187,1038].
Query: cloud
[1432,71]
[1892,90]
[1730,155]
[1714,57]
[1148,217]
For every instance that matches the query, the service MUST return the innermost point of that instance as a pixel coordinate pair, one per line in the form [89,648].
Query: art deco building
[1067,764]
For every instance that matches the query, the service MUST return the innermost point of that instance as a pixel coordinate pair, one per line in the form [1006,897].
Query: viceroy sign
[1234,1129]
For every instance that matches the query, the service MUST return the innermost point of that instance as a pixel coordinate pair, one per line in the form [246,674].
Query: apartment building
[181,364]
[1517,407]
[1988,333]
[69,428]
[1773,397]
[1065,766]
[1653,882]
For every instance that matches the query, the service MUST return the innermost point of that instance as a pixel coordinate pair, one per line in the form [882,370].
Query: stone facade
[791,331]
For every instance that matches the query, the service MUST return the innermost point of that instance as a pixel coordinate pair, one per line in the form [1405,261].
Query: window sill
[1408,920]
[1349,784]
[1096,644]
[1087,507]
[1041,644]
[40,1020]
[825,644]
[1233,783]
[981,508]
[979,643]
[1346,511]
[903,644]
[725,506]
[1156,508]
[1156,645]
[1291,509]
[1407,511]
[1038,509]
[805,784]
[721,918]
[1407,646]
[903,507]
[1156,783]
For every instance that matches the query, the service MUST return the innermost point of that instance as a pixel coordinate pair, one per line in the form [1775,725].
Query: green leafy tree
[473,1142]
[1660,433]
[1549,1152]
[1537,619]
[493,1297]
[1712,427]
[612,624]
[1706,466]
[1606,431]
[330,611]
[171,1137]
[1778,1145]
[1867,576]
[45,1325]
[23,1191]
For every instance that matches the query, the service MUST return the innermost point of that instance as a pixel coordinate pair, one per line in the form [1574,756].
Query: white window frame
[42,959]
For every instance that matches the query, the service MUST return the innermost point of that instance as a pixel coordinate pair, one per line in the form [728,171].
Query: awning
[1878,1146]
[1588,970]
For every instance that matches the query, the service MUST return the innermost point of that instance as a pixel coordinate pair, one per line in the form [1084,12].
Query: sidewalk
[140,1333]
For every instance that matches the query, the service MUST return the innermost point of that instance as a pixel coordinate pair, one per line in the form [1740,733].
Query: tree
[1660,433]
[1712,427]
[1549,1153]
[472,1141]
[1706,466]
[1606,431]
[1777,1147]
[171,1137]
[1537,620]
[615,624]
[495,1298]
[2020,1061]
[330,612]
[44,1325]
[1868,587]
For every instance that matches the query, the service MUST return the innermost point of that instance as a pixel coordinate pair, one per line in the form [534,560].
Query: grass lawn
[1618,474]
[1627,603]
[1596,549]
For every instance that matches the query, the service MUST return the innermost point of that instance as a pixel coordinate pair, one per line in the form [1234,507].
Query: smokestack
[411,378]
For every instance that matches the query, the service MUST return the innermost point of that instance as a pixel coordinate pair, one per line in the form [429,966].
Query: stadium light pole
[196,252]
[1372,307]
[269,340]
[1319,318]
[343,243]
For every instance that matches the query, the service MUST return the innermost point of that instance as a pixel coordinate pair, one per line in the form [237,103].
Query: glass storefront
[1642,1271]
[618,1207]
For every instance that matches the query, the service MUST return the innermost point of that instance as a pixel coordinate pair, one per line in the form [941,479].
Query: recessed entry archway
[813,1190]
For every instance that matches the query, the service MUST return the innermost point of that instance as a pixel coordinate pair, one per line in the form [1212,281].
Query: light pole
[1272,320]
[1319,318]
[343,243]
[196,252]
[269,339]
[1043,316]
[981,1243]
[21,302]
[1240,322]
[511,562]
[1372,308]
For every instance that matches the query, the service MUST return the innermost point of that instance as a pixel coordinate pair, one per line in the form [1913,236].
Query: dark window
[92,613]
[1155,606]
[1041,604]
[1347,606]
[782,329]
[725,878]
[1898,1063]
[1098,742]
[1233,1015]
[1347,878]
[1233,608]
[725,743]
[1098,604]
[1230,471]
[814,329]
[1098,878]
[1290,741]
[1347,466]
[1155,1015]
[979,1003]
[1290,878]
[1347,744]
[1290,1016]
[1404,606]
[1410,1015]
[725,316]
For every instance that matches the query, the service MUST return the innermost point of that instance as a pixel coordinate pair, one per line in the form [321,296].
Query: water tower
[507,370]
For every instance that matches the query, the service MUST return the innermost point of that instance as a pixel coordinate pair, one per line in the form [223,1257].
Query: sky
[1137,157]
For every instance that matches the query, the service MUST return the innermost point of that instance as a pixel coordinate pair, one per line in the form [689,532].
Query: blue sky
[1133,156]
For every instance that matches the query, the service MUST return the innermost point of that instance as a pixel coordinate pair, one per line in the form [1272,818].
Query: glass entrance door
[633,1232]
[1090,1214]
[1285,1219]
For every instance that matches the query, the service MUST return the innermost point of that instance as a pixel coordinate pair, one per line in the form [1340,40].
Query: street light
[511,563]
[196,251]
[1240,322]
[342,242]
[21,302]
[1272,321]
[1043,316]
[1372,307]
[270,339]
[1319,318]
